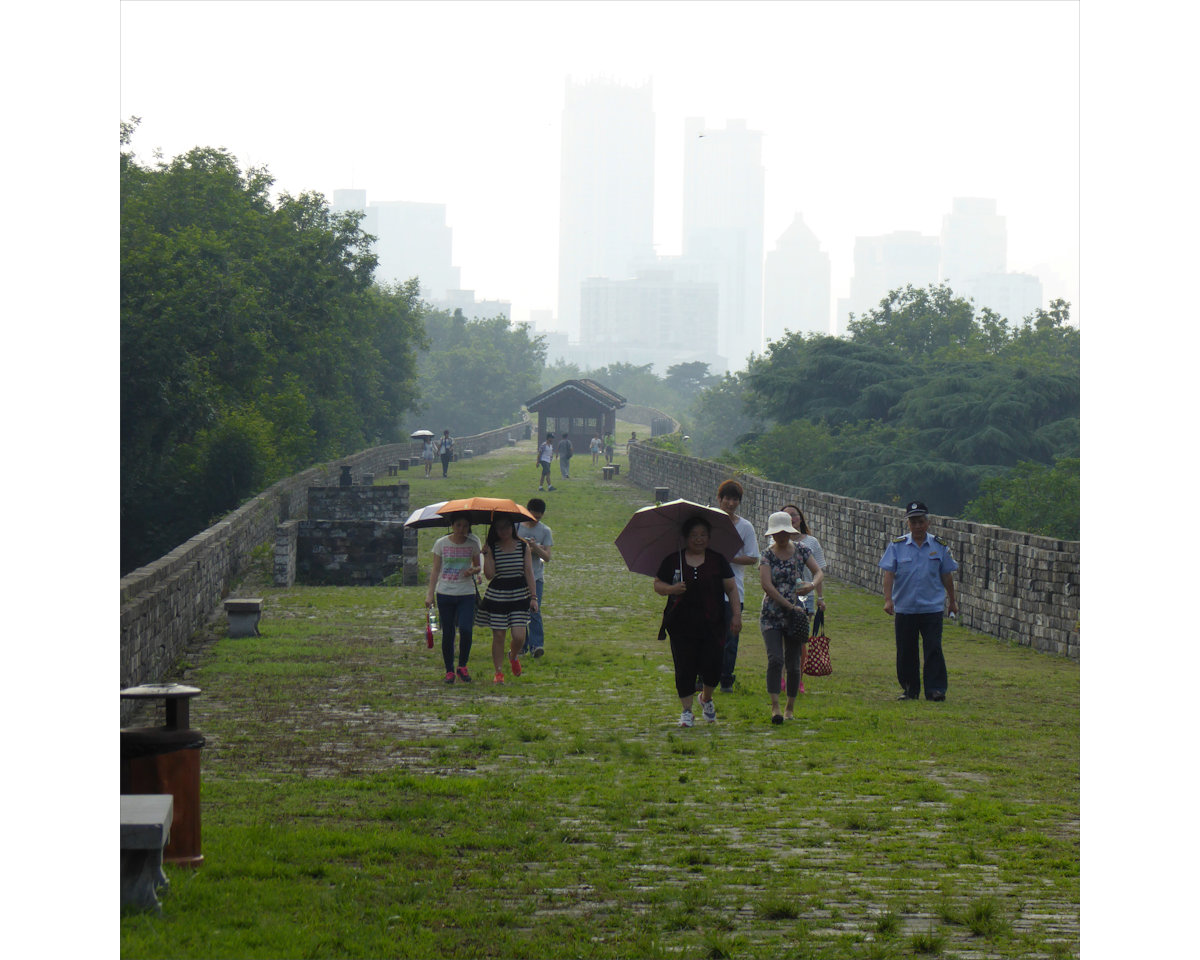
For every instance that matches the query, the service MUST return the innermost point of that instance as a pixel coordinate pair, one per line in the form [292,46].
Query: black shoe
[538,652]
[938,695]
[777,718]
[727,689]
[907,696]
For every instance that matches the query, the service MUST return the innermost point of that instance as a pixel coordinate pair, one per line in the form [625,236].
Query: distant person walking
[545,456]
[804,537]
[445,450]
[595,447]
[609,443]
[452,576]
[511,593]
[699,584]
[427,454]
[918,577]
[784,619]
[540,539]
[565,452]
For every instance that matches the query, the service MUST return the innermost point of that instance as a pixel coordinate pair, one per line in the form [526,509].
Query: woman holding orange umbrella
[511,593]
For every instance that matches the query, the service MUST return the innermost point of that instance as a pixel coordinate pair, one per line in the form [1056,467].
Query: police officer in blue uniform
[918,576]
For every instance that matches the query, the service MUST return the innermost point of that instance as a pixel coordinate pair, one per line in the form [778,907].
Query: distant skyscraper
[796,284]
[412,240]
[1012,295]
[975,258]
[974,242]
[723,198]
[471,308]
[882,264]
[606,212]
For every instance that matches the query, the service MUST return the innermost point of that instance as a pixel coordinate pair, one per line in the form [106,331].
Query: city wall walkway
[564,811]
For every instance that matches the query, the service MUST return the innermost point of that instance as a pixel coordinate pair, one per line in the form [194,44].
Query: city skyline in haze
[874,117]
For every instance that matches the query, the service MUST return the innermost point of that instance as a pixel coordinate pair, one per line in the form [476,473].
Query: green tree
[1032,497]
[253,341]
[477,374]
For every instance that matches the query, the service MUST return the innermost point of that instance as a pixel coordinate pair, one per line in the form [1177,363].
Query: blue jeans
[564,465]
[731,646]
[908,663]
[456,612]
[535,637]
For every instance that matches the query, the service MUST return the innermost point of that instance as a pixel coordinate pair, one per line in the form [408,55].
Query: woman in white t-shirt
[455,565]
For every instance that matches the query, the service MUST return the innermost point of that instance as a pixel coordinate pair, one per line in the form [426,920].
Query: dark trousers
[928,626]
[695,656]
[445,463]
[456,612]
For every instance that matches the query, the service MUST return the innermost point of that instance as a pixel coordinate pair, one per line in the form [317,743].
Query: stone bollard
[608,472]
[345,480]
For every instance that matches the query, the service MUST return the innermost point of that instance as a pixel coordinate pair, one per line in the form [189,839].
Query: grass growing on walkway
[356,806]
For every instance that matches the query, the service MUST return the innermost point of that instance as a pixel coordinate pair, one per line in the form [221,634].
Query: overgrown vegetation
[355,805]
[924,398]
[254,342]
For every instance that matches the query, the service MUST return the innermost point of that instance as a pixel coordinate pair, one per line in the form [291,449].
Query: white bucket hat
[779,522]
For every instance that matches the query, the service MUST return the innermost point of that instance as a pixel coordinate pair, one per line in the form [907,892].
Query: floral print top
[784,574]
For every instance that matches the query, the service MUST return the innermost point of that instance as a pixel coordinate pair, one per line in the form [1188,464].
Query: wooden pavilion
[582,408]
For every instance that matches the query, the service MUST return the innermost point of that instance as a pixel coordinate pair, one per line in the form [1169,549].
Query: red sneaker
[498,678]
[516,666]
[463,676]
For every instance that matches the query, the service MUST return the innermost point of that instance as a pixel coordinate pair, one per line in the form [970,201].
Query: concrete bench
[608,472]
[244,614]
[145,827]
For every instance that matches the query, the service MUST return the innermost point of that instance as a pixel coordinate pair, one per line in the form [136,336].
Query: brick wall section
[165,602]
[1010,585]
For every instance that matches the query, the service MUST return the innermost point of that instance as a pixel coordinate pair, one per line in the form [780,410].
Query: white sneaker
[709,710]
[686,719]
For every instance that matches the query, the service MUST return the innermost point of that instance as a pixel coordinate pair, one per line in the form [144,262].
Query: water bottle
[430,627]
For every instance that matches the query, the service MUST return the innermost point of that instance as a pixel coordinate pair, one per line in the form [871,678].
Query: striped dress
[506,600]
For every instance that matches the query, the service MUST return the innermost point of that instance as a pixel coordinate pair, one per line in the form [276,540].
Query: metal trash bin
[166,759]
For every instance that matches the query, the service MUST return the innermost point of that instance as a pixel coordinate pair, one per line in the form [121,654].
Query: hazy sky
[874,115]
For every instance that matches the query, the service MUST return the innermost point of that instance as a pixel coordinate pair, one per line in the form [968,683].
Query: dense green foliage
[1032,497]
[253,342]
[476,374]
[923,399]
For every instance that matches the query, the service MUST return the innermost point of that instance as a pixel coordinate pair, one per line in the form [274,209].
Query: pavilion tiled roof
[589,388]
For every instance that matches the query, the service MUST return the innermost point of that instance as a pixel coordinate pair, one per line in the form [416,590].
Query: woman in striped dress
[510,594]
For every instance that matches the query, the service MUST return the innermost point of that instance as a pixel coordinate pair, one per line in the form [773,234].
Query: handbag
[817,662]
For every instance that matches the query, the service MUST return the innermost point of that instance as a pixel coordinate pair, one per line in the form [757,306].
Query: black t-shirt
[701,611]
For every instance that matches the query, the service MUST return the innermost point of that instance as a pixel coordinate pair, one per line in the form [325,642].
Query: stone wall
[165,602]
[1010,585]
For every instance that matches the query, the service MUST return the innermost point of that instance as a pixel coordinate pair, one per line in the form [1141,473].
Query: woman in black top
[696,580]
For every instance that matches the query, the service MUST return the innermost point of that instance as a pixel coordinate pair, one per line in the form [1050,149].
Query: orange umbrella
[484,509]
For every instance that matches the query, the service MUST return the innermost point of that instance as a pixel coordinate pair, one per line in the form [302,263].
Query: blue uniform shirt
[918,573]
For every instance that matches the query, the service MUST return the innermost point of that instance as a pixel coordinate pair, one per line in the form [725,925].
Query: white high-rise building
[1012,295]
[606,212]
[796,284]
[723,200]
[974,242]
[881,264]
[412,240]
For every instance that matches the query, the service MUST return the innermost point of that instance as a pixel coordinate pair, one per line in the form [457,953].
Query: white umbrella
[427,517]
[421,434]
